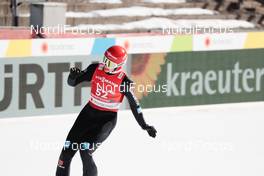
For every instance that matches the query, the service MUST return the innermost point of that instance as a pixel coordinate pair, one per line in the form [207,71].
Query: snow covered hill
[218,140]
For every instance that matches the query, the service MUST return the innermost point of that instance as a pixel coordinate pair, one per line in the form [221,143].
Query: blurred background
[199,73]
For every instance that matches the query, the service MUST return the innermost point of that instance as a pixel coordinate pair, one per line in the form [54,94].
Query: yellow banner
[19,48]
[254,40]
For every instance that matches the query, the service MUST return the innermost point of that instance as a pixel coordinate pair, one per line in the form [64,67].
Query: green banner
[195,78]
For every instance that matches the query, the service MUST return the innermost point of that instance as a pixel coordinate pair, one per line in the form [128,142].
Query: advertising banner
[194,78]
[135,44]
[209,42]
[38,86]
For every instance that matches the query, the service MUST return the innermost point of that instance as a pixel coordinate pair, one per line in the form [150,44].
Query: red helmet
[114,58]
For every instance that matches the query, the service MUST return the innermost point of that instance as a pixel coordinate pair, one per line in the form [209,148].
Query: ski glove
[151,131]
[75,70]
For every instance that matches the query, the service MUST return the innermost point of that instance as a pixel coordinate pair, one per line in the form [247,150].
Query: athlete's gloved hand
[75,70]
[151,131]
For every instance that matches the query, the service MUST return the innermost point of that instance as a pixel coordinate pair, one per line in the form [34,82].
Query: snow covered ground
[214,140]
[148,1]
[106,1]
[140,11]
[163,23]
[164,1]
[158,22]
[136,11]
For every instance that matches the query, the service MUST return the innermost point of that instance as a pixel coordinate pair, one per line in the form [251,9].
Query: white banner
[146,44]
[230,41]
[62,47]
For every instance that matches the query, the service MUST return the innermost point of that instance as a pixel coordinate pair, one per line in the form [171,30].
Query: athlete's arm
[135,107]
[77,76]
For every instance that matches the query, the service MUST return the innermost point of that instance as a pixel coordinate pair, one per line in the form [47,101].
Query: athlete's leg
[89,167]
[63,168]
[73,140]
[105,131]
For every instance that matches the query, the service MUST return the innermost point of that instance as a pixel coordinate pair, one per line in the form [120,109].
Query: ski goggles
[109,64]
